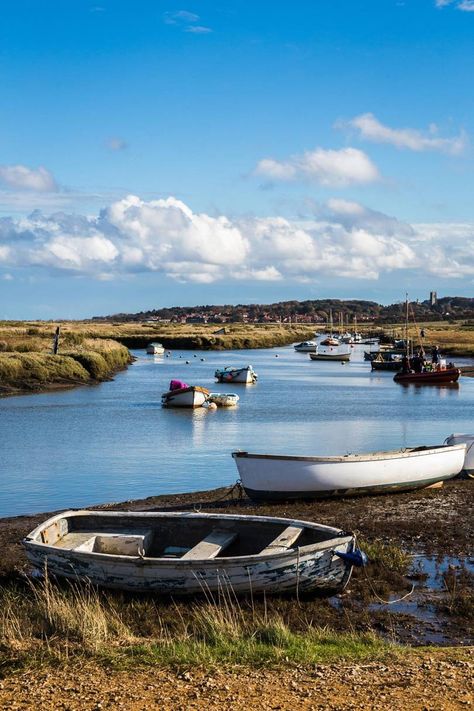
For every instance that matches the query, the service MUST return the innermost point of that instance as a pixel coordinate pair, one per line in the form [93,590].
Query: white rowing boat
[331,349]
[189,553]
[273,477]
[224,399]
[245,375]
[190,396]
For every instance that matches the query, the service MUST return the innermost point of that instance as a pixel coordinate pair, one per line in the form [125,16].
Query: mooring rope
[228,492]
[387,602]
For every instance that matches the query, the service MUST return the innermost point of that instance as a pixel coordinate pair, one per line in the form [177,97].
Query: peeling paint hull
[313,567]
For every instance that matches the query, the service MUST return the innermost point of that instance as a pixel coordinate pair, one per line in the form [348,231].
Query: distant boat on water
[245,375]
[224,399]
[155,349]
[181,394]
[331,349]
[306,347]
[438,376]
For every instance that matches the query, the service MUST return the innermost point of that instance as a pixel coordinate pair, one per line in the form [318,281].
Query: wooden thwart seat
[284,541]
[211,545]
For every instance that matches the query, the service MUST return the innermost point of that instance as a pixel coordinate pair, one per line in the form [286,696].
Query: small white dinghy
[189,553]
[245,375]
[223,399]
[271,477]
[468,440]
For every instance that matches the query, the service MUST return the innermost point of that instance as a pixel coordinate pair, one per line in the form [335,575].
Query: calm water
[114,441]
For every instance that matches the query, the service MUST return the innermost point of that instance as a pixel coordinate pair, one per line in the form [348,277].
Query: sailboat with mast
[420,372]
[330,348]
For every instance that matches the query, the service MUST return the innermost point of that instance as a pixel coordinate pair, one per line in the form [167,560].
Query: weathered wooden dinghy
[188,553]
[183,395]
[245,375]
[271,477]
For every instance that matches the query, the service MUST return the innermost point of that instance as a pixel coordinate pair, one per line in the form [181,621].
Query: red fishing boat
[429,377]
[417,371]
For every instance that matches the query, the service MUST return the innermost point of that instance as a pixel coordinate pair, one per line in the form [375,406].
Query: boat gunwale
[363,457]
[341,537]
[190,388]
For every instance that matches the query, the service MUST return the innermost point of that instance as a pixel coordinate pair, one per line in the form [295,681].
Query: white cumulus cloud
[371,129]
[330,168]
[21,177]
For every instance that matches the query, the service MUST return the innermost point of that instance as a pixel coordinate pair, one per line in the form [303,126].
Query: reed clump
[42,620]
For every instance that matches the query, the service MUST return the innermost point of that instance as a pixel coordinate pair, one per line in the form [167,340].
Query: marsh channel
[114,442]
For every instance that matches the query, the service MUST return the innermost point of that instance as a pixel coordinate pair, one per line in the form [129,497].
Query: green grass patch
[389,555]
[41,621]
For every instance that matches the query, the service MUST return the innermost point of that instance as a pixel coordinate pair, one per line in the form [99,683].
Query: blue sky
[156,153]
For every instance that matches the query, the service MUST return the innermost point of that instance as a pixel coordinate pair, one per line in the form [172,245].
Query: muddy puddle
[437,609]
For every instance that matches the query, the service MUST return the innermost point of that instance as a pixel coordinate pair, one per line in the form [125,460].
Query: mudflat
[415,653]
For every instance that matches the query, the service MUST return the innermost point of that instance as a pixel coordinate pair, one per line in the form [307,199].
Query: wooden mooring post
[56,341]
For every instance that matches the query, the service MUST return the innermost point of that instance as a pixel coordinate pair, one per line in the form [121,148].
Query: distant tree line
[310,311]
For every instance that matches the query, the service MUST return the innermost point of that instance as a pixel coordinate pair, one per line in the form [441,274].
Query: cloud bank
[341,239]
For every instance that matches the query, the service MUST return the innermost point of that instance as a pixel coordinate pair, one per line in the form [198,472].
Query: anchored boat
[306,347]
[189,553]
[224,399]
[435,376]
[155,349]
[331,349]
[181,394]
[236,375]
[272,477]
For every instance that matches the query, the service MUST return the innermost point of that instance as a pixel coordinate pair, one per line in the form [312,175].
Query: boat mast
[406,325]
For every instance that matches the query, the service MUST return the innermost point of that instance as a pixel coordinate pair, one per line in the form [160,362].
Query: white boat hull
[186,397]
[468,440]
[155,349]
[306,347]
[271,477]
[236,375]
[340,357]
[224,399]
[306,568]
